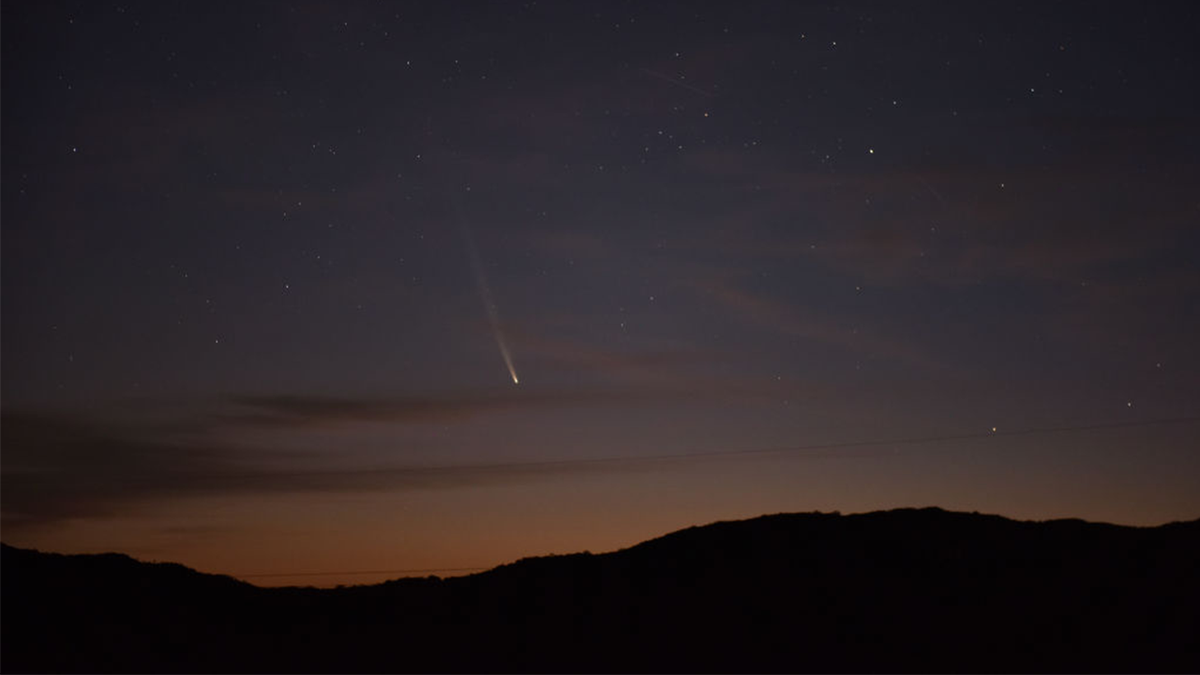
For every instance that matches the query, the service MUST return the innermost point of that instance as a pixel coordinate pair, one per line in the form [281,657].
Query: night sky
[271,272]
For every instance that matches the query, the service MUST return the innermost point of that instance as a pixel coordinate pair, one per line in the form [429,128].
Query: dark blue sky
[241,328]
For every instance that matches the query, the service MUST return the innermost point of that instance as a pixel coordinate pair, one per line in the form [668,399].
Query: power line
[916,440]
[328,574]
[991,433]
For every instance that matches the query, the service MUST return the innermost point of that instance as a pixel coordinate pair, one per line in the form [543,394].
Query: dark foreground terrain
[905,590]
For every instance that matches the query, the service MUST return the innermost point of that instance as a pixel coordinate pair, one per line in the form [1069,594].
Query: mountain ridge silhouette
[901,590]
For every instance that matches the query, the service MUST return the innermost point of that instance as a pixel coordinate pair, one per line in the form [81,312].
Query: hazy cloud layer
[63,465]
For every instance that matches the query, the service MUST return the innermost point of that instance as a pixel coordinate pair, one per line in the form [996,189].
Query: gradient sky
[738,252]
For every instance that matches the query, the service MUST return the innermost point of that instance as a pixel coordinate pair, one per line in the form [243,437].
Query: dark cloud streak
[61,466]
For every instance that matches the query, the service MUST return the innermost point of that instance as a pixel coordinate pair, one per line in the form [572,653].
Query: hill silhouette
[903,590]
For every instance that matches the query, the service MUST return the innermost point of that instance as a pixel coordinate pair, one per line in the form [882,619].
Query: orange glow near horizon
[485,525]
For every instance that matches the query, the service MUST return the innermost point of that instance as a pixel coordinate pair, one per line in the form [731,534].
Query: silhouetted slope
[905,590]
[107,612]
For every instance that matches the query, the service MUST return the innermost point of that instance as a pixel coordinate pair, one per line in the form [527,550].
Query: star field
[270,272]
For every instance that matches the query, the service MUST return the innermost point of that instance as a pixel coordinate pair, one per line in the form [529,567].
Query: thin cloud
[63,465]
[304,411]
[957,220]
[791,320]
[60,466]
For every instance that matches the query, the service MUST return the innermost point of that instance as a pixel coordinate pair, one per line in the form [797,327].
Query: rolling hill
[903,590]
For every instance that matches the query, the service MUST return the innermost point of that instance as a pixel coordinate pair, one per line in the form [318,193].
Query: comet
[485,293]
